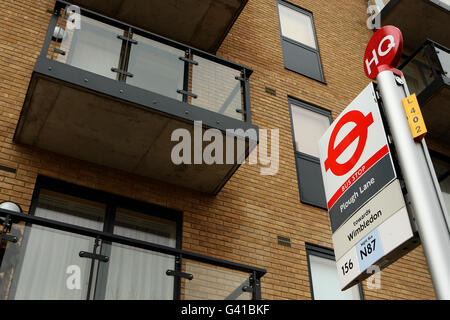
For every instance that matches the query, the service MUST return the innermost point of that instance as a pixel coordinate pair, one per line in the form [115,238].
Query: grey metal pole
[422,192]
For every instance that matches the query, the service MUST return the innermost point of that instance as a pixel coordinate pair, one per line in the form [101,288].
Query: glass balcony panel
[45,265]
[156,67]
[217,88]
[415,77]
[134,273]
[93,47]
[213,283]
[444,58]
[420,70]
[41,263]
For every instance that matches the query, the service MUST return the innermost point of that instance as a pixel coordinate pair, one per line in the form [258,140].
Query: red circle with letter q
[383,52]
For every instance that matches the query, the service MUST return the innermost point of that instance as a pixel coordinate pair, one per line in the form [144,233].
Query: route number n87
[367,249]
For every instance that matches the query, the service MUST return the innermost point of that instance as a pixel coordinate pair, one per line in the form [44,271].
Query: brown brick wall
[242,222]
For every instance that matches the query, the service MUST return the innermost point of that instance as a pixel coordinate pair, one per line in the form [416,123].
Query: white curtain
[140,274]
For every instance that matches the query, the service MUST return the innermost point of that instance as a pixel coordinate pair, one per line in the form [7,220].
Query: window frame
[325,253]
[112,202]
[299,44]
[302,155]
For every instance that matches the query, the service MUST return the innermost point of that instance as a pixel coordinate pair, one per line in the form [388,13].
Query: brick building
[87,114]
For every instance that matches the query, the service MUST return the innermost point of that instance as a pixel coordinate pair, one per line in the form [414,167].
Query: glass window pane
[144,227]
[43,263]
[134,273]
[68,209]
[296,26]
[309,126]
[156,67]
[93,47]
[325,281]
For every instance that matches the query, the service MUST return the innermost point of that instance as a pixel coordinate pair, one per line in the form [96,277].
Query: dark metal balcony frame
[419,21]
[255,273]
[121,90]
[391,4]
[441,78]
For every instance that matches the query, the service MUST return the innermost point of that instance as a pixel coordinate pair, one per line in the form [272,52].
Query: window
[41,263]
[298,40]
[309,123]
[324,279]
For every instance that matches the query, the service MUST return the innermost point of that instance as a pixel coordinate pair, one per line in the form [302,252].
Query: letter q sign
[383,52]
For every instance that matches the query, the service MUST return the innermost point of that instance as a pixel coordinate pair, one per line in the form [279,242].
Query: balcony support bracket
[5,227]
[180,274]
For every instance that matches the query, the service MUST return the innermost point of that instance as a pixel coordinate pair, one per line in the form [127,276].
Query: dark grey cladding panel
[310,181]
[302,60]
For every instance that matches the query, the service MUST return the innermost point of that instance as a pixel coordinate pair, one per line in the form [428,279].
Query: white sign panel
[380,208]
[373,247]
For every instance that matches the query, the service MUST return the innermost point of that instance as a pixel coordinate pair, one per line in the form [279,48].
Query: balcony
[419,21]
[113,94]
[43,256]
[427,72]
[202,24]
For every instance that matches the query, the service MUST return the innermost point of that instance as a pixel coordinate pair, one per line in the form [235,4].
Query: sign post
[412,157]
[428,210]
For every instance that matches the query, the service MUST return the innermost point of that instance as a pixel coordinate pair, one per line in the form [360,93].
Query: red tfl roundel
[359,131]
[383,52]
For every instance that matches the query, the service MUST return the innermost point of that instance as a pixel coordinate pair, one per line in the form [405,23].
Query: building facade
[89,101]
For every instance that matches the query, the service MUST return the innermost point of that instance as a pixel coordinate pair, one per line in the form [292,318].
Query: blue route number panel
[369,250]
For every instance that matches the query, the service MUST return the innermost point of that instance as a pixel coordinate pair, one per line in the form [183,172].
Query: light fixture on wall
[12,206]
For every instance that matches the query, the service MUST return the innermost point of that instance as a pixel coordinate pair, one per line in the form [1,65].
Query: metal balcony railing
[172,273]
[428,64]
[104,46]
